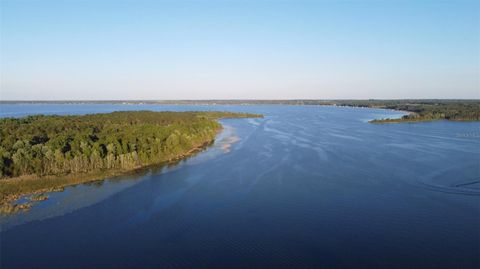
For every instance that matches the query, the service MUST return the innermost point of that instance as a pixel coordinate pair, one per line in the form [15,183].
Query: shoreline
[11,189]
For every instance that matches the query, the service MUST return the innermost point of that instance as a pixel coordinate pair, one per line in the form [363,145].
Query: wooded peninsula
[424,110]
[41,153]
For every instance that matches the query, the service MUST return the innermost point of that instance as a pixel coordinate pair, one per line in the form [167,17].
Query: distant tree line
[455,110]
[422,109]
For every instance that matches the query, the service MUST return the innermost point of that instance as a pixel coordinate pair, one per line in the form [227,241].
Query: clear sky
[239,49]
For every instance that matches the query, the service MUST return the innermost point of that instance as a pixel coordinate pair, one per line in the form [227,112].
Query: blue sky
[239,49]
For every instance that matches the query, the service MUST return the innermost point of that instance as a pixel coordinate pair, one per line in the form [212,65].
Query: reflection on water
[304,187]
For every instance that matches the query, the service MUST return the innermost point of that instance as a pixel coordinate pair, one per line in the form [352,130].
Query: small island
[46,153]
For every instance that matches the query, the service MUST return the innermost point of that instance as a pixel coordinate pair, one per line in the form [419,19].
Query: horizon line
[235,99]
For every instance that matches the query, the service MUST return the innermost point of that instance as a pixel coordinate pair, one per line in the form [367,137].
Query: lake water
[304,187]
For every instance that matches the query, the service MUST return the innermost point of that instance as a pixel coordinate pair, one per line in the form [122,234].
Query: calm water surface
[305,187]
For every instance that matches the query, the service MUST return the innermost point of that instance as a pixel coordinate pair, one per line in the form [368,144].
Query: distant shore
[419,109]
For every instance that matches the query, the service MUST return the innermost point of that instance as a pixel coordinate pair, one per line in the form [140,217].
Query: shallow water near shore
[304,187]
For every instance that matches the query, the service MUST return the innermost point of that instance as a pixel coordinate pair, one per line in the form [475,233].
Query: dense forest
[60,145]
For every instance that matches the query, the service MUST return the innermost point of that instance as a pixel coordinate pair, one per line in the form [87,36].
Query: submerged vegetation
[39,153]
